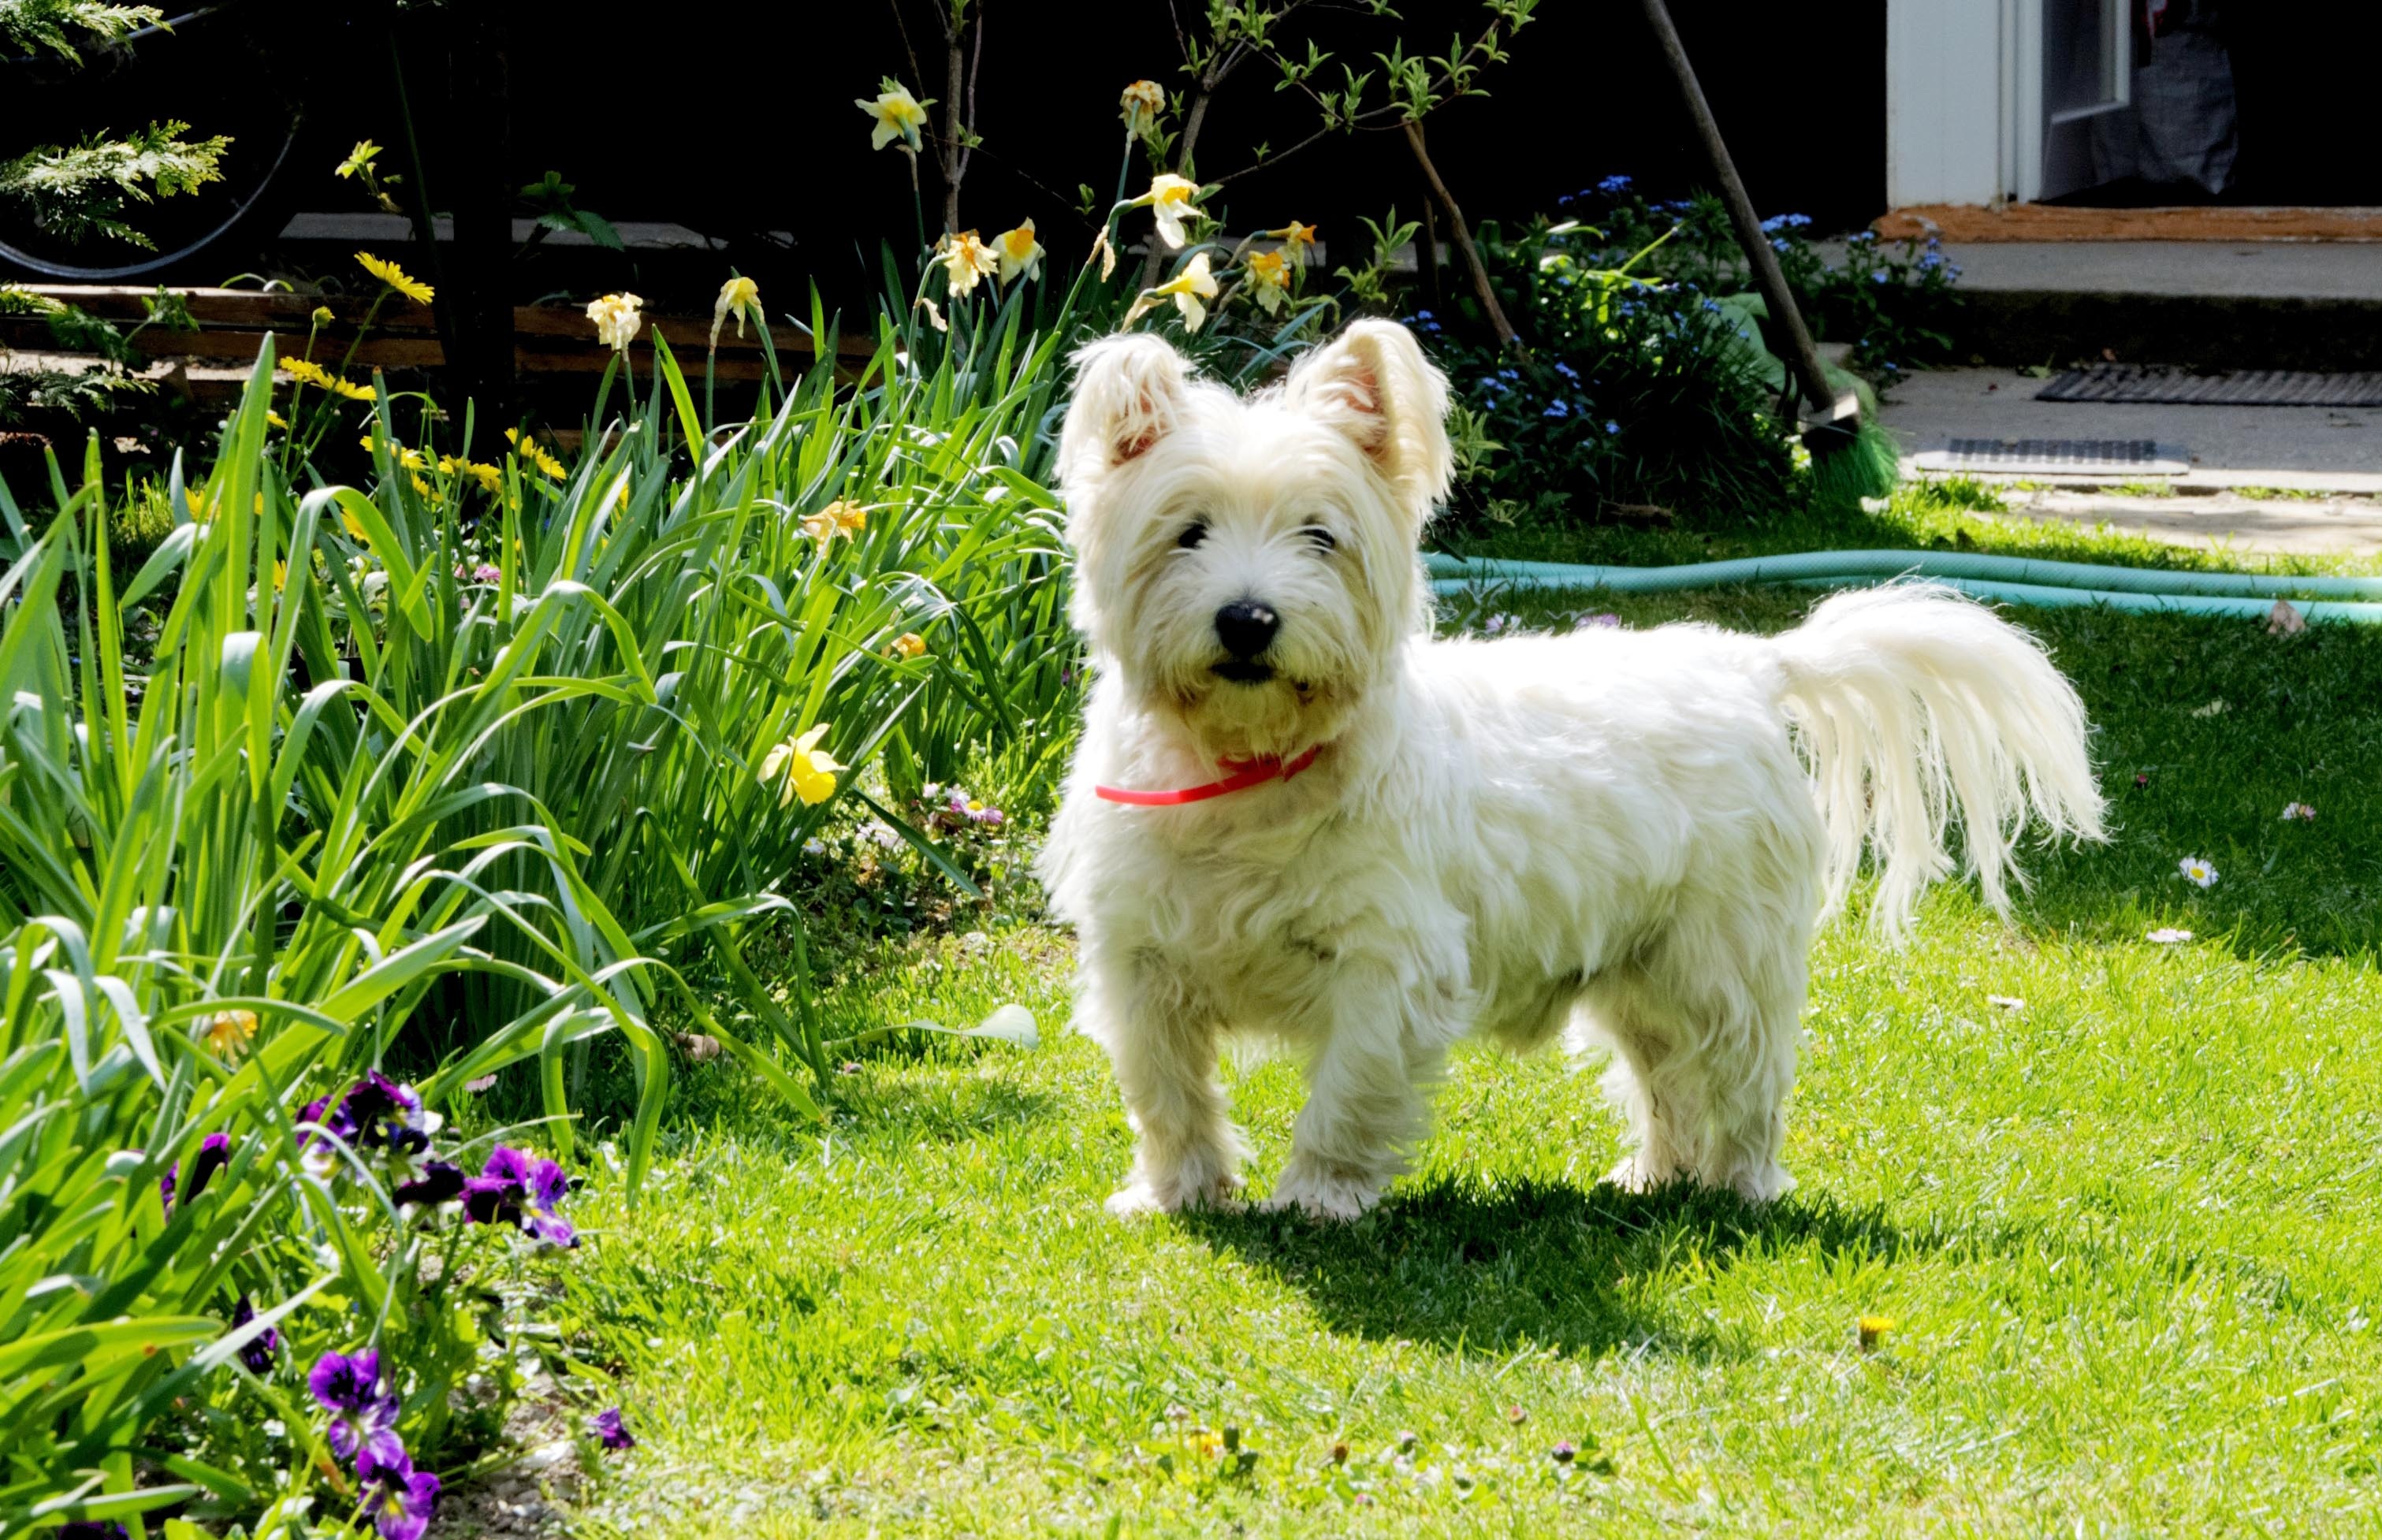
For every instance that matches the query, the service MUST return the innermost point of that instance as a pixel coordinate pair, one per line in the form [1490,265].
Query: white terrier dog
[1368,842]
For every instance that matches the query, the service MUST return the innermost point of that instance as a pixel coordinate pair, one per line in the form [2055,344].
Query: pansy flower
[400,1499]
[513,1189]
[258,1351]
[610,1433]
[363,1418]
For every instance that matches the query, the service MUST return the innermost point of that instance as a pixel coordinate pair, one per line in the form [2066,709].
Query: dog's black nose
[1247,627]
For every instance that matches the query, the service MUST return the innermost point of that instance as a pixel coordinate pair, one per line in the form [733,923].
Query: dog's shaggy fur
[1628,833]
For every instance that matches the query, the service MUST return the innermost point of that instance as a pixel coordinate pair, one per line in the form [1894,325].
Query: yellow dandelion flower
[409,459]
[1142,102]
[1018,253]
[616,319]
[908,647]
[307,372]
[274,419]
[229,1032]
[899,115]
[1873,1330]
[736,296]
[1189,289]
[533,451]
[488,476]
[396,277]
[968,260]
[801,769]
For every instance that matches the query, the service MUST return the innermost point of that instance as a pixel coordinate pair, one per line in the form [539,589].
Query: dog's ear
[1373,384]
[1128,393]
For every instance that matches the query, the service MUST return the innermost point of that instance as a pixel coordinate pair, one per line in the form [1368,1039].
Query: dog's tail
[1911,700]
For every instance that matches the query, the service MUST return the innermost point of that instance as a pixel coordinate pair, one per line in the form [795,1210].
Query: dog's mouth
[1243,671]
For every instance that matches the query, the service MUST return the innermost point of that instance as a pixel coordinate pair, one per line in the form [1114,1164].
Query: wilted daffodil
[616,319]
[1018,253]
[1269,280]
[396,277]
[968,260]
[736,296]
[1169,200]
[899,115]
[1297,241]
[801,769]
[908,647]
[1142,102]
[837,518]
[1190,289]
[228,1032]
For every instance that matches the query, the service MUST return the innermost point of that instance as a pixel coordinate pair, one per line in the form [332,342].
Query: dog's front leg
[1162,1038]
[1365,1090]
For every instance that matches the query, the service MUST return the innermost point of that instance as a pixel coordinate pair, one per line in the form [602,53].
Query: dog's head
[1249,566]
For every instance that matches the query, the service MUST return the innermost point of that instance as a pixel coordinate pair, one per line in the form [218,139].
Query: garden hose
[2011,579]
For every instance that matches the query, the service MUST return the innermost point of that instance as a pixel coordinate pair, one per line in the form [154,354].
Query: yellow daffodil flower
[396,277]
[533,451]
[1190,289]
[967,261]
[358,159]
[1297,241]
[899,115]
[1269,280]
[307,372]
[616,319]
[908,647]
[801,769]
[1018,253]
[1142,102]
[1170,200]
[837,518]
[229,1032]
[736,296]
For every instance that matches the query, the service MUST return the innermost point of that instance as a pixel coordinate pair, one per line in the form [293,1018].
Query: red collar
[1242,774]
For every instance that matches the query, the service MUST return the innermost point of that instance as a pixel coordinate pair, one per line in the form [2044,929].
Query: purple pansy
[513,1189]
[400,1498]
[90,1529]
[440,1182]
[363,1418]
[257,1352]
[214,1154]
[610,1432]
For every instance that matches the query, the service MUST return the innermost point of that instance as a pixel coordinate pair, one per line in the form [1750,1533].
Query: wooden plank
[1961,222]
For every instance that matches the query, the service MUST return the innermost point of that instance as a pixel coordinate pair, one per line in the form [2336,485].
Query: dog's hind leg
[1162,1039]
[1704,1052]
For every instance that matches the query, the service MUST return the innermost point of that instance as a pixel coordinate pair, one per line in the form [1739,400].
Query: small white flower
[2213,708]
[2168,936]
[2197,871]
[2005,1002]
[2299,812]
[814,847]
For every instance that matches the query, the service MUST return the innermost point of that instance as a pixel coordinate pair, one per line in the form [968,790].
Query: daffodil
[2197,871]
[1297,241]
[967,259]
[616,319]
[396,277]
[229,1032]
[837,518]
[1168,201]
[801,769]
[899,115]
[1269,280]
[736,296]
[1018,253]
[358,159]
[934,315]
[1142,102]
[1190,289]
[908,647]
[533,451]
[307,372]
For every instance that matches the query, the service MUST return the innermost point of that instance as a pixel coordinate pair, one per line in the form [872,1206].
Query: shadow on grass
[1583,1272]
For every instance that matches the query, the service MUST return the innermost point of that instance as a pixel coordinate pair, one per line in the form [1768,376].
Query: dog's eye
[1192,533]
[1321,537]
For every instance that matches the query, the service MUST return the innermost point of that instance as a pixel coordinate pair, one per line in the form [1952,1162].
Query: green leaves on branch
[82,190]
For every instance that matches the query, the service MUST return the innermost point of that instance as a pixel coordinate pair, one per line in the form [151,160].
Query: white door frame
[1964,118]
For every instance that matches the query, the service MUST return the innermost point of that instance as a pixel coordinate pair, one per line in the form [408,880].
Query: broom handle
[1801,356]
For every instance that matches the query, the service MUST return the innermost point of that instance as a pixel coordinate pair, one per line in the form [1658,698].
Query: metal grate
[2055,457]
[2156,385]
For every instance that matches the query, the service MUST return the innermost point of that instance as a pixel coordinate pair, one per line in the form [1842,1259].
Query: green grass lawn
[2116,1198]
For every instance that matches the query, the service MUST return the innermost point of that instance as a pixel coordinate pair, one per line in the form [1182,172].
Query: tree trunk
[954,126]
[1481,288]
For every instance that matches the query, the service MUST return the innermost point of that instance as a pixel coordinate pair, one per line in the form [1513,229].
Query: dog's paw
[1140,1196]
[1323,1194]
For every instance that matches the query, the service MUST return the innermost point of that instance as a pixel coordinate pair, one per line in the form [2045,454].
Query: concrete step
[2265,304]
